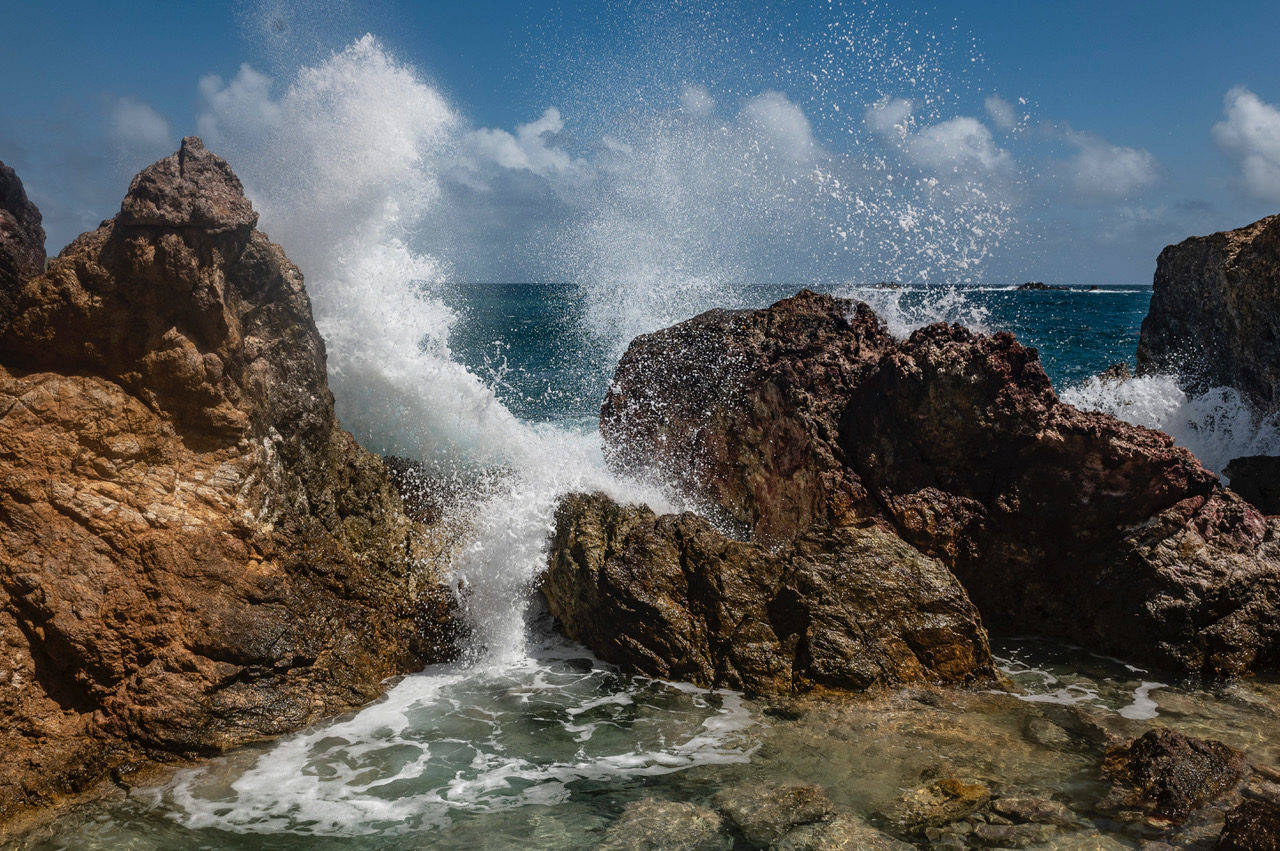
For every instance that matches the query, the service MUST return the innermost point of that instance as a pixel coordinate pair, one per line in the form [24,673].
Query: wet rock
[1214,318]
[1039,285]
[1257,479]
[21,239]
[1026,808]
[193,553]
[841,833]
[673,598]
[1116,372]
[1166,776]
[1043,732]
[1254,825]
[1013,835]
[939,803]
[1056,521]
[652,824]
[764,814]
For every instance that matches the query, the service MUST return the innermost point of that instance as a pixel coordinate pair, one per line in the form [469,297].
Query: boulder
[193,553]
[1254,825]
[1257,479]
[1214,318]
[763,814]
[671,597]
[1077,525]
[21,239]
[1166,776]
[652,825]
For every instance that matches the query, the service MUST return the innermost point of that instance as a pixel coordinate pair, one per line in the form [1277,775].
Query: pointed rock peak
[192,188]
[21,235]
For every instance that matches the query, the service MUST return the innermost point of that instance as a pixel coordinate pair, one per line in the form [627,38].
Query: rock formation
[21,238]
[808,415]
[672,597]
[1167,776]
[1215,313]
[193,553]
[1257,479]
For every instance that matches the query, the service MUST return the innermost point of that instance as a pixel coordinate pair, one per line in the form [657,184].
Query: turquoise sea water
[527,340]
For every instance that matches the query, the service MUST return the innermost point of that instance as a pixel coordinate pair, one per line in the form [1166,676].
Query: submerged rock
[1254,825]
[764,814]
[1057,521]
[661,825]
[193,553]
[1166,776]
[672,597]
[1257,479]
[939,803]
[1214,318]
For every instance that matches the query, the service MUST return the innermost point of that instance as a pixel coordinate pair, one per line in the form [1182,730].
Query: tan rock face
[841,608]
[193,553]
[1214,318]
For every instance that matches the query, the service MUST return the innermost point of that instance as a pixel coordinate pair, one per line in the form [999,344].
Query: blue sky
[978,140]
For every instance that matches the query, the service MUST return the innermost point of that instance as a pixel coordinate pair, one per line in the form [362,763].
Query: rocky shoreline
[193,553]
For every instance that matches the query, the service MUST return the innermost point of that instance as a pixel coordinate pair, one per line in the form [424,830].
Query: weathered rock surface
[21,238]
[1167,776]
[651,825]
[193,553]
[1257,479]
[671,597]
[1214,318]
[1254,825]
[1056,521]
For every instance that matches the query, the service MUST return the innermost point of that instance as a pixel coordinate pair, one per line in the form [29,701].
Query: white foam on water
[906,309]
[1217,425]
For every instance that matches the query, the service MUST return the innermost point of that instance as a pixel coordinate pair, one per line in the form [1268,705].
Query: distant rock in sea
[1039,285]
[193,553]
[808,418]
[1214,318]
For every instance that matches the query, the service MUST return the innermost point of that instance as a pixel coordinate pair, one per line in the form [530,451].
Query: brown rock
[1254,825]
[764,814]
[1057,521]
[193,553]
[672,597]
[1167,776]
[1257,479]
[940,802]
[1214,318]
[21,239]
[651,825]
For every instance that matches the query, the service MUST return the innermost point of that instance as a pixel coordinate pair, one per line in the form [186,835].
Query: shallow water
[547,752]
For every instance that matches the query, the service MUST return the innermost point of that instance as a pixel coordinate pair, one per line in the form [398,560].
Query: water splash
[1217,425]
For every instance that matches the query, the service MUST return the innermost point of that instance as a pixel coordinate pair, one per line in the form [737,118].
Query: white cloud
[957,147]
[696,100]
[531,148]
[890,118]
[1250,133]
[960,145]
[1101,170]
[781,124]
[1001,112]
[137,125]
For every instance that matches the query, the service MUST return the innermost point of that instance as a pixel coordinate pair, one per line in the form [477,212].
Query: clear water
[531,743]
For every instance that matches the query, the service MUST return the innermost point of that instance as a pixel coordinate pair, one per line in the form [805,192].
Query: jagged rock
[841,608]
[651,825]
[1167,776]
[1214,318]
[1039,285]
[1119,371]
[764,814]
[193,553]
[1257,479]
[1057,521]
[21,239]
[1254,825]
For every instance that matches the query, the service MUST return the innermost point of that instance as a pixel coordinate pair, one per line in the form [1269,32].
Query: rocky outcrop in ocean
[193,553]
[809,417]
[837,607]
[1214,318]
[21,238]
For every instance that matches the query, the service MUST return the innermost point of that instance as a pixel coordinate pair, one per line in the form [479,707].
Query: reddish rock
[844,608]
[1057,521]
[193,553]
[1214,318]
